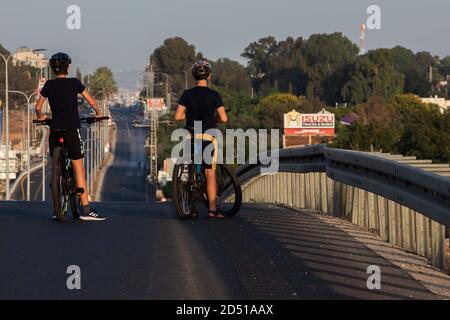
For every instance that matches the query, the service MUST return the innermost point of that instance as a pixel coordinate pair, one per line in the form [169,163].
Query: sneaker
[92,216]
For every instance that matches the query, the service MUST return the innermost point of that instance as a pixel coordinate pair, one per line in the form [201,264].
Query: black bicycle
[63,185]
[189,188]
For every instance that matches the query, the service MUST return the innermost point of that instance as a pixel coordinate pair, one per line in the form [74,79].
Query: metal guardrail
[382,192]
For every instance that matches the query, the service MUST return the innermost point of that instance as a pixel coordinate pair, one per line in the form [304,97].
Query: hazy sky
[121,34]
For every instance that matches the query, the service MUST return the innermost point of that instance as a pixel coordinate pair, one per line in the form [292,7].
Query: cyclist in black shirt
[62,94]
[203,104]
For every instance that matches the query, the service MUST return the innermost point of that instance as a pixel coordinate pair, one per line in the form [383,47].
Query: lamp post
[6,59]
[28,98]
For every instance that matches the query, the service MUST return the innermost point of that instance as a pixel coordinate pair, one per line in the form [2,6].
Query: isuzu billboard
[321,124]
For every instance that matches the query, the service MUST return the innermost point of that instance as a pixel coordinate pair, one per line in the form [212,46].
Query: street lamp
[28,98]
[6,59]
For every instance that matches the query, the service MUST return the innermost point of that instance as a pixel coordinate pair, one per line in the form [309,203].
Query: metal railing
[404,200]
[95,150]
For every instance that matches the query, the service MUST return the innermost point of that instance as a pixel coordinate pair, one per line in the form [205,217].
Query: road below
[125,178]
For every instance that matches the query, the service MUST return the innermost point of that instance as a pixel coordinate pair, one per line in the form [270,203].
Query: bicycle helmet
[59,62]
[201,70]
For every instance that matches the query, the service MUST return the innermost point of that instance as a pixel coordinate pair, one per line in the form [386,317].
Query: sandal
[220,216]
[212,214]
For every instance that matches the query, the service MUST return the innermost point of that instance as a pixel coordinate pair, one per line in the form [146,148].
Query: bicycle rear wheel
[59,196]
[229,192]
[183,190]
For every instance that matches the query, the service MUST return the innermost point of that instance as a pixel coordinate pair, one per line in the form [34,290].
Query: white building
[441,102]
[26,56]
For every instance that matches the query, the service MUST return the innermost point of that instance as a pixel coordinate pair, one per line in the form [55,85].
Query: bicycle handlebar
[88,120]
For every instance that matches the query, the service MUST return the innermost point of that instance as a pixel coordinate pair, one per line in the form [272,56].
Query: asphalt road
[143,251]
[125,178]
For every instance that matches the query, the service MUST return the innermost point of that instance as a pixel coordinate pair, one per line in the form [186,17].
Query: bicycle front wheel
[184,194]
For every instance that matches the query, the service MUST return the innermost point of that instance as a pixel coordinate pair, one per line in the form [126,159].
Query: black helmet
[59,62]
[201,69]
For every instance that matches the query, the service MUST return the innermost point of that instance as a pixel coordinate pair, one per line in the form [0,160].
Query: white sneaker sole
[91,219]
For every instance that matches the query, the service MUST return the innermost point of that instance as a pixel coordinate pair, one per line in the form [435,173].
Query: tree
[175,57]
[231,76]
[102,83]
[373,74]
[313,67]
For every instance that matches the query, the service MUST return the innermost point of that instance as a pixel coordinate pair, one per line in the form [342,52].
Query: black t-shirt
[201,104]
[62,94]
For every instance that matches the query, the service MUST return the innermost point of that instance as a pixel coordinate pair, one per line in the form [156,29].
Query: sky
[122,34]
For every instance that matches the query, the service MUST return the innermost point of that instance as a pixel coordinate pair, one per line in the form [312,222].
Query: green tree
[102,83]
[231,76]
[175,57]
[373,74]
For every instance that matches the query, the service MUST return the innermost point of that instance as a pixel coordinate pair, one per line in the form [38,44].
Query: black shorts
[72,141]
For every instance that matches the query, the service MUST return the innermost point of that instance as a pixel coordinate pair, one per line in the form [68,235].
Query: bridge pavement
[145,252]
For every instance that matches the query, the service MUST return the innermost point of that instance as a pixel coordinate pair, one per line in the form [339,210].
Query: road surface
[125,178]
[145,252]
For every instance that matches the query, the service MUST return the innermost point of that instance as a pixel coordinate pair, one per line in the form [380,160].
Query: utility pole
[153,134]
[154,124]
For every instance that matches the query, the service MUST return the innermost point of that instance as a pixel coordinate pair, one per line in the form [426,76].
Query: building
[441,102]
[28,57]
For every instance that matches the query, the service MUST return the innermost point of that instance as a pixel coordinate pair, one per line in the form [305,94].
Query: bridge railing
[403,204]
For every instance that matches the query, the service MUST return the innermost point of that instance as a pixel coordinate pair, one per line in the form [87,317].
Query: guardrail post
[302,190]
[285,186]
[406,228]
[413,236]
[279,187]
[422,235]
[295,189]
[393,221]
[337,198]
[372,214]
[330,194]
[289,188]
[308,188]
[437,244]
[316,176]
[349,191]
[323,192]
[382,209]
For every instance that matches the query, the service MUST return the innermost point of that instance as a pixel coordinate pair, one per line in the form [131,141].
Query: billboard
[157,103]
[317,124]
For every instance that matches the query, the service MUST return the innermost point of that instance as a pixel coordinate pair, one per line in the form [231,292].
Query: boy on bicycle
[62,94]
[203,104]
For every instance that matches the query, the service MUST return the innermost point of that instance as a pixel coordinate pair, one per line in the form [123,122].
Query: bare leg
[211,189]
[80,177]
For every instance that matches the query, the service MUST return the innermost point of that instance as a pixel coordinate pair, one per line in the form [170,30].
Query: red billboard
[316,124]
[157,103]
